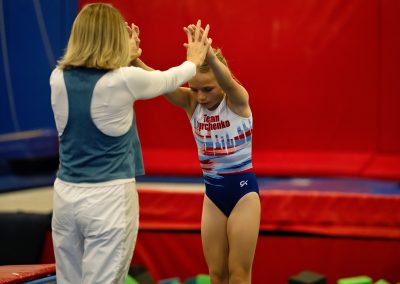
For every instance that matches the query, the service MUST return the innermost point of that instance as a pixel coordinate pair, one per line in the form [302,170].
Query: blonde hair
[99,39]
[204,68]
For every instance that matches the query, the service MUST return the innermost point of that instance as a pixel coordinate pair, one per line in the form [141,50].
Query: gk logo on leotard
[243,183]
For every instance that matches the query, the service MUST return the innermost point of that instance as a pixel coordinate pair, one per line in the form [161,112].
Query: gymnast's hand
[134,41]
[198,44]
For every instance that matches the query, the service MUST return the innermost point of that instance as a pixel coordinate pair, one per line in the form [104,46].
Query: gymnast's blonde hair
[99,39]
[204,68]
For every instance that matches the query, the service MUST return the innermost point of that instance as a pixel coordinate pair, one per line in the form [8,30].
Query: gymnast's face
[207,90]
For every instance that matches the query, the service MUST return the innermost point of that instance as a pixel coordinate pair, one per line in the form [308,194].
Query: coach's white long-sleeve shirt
[113,97]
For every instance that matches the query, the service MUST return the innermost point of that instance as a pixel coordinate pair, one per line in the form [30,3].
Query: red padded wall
[390,103]
[322,76]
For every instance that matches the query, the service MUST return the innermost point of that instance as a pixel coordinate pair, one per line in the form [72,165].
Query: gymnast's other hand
[134,41]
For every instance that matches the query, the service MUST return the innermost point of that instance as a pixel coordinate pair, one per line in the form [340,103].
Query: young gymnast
[95,204]
[219,112]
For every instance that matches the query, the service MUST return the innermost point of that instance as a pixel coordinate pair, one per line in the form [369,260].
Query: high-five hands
[198,43]
[190,29]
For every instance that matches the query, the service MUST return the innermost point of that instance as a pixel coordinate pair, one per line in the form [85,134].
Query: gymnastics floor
[338,227]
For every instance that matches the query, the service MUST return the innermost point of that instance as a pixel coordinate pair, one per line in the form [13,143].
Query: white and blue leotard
[224,142]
